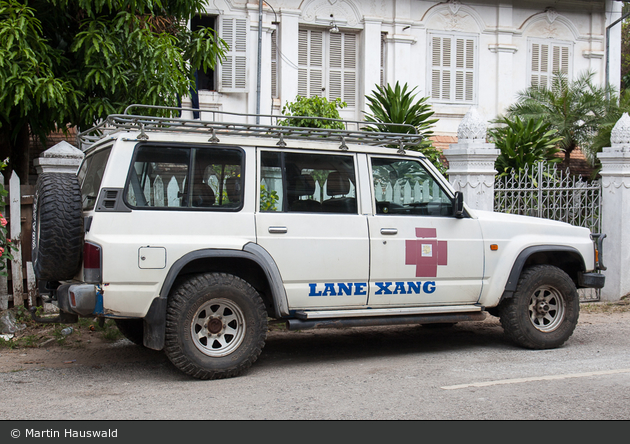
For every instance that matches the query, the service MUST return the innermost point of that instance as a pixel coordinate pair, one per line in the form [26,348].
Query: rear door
[309,221]
[420,253]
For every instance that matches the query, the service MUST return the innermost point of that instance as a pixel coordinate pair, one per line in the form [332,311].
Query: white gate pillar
[61,158]
[471,162]
[615,215]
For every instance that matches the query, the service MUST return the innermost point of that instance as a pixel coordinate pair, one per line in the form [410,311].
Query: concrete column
[61,158]
[288,43]
[615,174]
[471,162]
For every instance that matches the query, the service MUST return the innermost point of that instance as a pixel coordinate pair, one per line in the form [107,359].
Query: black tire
[132,329]
[57,241]
[544,309]
[216,326]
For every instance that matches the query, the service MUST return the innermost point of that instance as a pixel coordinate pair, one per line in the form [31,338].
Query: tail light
[92,263]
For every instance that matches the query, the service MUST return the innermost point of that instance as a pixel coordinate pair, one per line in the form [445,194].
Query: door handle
[278,230]
[389,231]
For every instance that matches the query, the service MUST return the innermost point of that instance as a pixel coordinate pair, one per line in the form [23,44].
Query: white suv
[193,233]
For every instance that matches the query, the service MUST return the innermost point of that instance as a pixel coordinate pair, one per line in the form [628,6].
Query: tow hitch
[48,292]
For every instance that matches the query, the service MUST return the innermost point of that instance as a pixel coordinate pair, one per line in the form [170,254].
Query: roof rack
[364,133]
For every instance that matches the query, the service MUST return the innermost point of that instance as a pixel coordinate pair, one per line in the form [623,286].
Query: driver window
[405,187]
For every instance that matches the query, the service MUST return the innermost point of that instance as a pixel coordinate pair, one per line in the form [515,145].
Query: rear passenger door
[309,221]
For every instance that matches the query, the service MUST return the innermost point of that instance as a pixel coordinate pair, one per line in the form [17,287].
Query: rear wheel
[544,309]
[216,326]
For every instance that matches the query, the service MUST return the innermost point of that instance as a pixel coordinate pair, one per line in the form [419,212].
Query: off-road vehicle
[194,233]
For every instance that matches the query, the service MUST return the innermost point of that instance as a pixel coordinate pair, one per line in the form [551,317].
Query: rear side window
[90,176]
[178,177]
[307,183]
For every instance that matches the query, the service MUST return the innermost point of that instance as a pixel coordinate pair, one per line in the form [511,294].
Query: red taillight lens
[91,263]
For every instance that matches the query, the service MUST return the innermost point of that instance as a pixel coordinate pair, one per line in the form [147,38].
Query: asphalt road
[467,372]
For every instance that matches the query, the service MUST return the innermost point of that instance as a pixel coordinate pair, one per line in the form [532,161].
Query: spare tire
[57,245]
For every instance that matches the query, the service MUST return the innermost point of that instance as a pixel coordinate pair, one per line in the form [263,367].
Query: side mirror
[458,204]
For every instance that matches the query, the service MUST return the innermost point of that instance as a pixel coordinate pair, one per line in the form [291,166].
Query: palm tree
[575,109]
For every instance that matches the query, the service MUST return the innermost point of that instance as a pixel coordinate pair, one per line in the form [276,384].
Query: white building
[460,54]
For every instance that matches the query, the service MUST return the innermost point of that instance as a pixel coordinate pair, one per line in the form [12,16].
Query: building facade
[459,54]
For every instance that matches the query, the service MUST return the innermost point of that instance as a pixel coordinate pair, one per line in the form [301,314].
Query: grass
[620,306]
[31,334]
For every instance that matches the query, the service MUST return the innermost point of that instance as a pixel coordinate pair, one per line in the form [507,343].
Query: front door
[420,253]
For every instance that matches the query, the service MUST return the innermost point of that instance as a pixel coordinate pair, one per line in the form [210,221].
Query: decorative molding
[499,47]
[472,126]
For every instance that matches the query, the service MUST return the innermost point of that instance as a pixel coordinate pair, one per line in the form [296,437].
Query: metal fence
[552,193]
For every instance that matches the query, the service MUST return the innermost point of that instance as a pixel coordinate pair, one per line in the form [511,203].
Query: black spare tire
[57,227]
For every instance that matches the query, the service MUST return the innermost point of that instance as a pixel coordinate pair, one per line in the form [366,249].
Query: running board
[367,312]
[438,315]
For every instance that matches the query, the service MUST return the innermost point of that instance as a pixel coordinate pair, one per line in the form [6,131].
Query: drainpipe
[260,17]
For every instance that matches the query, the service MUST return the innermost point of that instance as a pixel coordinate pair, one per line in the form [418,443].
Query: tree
[523,144]
[70,63]
[398,105]
[575,109]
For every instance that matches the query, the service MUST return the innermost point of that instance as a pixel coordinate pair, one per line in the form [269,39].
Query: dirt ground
[37,346]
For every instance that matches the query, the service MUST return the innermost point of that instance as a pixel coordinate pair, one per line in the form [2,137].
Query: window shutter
[233,70]
[440,68]
[350,69]
[274,64]
[464,69]
[310,62]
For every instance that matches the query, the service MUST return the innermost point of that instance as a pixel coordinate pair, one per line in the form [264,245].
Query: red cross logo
[426,253]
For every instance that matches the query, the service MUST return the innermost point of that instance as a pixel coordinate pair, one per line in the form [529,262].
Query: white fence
[21,274]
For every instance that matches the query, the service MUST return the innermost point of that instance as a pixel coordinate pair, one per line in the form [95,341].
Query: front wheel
[544,309]
[216,326]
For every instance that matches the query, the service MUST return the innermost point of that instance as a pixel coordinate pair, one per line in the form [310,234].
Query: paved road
[407,372]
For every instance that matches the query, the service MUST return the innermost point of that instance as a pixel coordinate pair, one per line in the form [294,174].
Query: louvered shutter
[310,62]
[342,75]
[274,64]
[233,70]
[464,70]
[440,68]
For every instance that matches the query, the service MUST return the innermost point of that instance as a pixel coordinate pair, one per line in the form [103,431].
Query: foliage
[575,109]
[72,62]
[398,105]
[6,247]
[602,139]
[313,107]
[268,199]
[523,144]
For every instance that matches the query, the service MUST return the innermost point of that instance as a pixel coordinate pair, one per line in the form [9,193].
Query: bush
[523,143]
[313,107]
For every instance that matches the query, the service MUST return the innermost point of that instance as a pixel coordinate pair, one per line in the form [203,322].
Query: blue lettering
[329,290]
[429,287]
[359,289]
[313,288]
[414,287]
[400,288]
[344,288]
[382,287]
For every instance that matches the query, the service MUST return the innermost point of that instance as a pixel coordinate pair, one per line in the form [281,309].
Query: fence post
[615,174]
[471,162]
[15,212]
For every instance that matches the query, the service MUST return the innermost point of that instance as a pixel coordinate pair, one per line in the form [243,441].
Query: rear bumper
[80,299]
[591,280]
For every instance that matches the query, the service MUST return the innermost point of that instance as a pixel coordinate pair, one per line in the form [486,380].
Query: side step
[388,316]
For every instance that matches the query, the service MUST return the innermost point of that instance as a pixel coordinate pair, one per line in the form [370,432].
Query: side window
[404,186]
[297,182]
[181,177]
[90,176]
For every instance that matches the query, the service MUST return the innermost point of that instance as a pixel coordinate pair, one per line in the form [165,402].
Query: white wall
[503,29]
